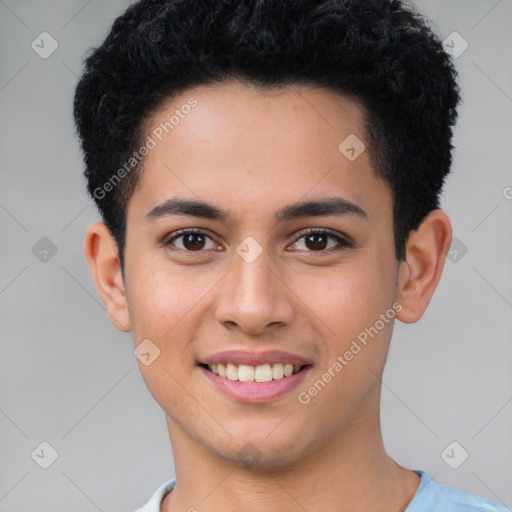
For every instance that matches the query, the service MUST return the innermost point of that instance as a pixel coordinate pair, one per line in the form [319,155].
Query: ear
[419,274]
[102,255]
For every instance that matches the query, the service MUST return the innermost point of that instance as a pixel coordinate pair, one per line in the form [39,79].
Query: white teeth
[247,373]
[277,371]
[231,371]
[263,373]
[288,369]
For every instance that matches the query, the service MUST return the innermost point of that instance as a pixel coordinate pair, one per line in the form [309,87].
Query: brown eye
[319,240]
[191,241]
[316,241]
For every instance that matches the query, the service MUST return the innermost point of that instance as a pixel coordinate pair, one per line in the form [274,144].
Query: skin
[251,153]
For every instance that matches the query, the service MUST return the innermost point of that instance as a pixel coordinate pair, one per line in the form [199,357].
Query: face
[253,281]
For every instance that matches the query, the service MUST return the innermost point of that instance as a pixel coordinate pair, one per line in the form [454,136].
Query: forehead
[229,111]
[249,147]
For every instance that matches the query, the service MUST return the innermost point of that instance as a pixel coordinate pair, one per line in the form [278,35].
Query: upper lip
[255,358]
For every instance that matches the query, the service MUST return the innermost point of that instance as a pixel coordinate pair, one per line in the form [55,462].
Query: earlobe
[102,255]
[421,271]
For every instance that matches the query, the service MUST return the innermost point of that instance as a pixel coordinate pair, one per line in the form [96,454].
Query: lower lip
[255,392]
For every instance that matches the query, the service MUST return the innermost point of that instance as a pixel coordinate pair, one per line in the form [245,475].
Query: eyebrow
[324,207]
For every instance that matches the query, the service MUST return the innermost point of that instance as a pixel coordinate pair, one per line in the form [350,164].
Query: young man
[268,173]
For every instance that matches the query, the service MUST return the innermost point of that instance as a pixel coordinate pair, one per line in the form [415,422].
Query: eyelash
[343,243]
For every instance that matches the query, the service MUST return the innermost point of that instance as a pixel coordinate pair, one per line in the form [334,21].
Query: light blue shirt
[430,497]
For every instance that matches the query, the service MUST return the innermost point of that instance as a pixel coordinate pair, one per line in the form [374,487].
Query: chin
[257,453]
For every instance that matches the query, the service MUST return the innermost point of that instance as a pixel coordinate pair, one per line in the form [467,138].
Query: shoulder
[153,505]
[432,497]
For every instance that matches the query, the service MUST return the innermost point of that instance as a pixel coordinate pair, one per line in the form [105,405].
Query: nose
[254,297]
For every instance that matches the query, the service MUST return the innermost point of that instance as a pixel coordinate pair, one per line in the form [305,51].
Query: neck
[350,472]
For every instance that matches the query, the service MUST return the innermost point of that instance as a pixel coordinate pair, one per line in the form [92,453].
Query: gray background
[69,378]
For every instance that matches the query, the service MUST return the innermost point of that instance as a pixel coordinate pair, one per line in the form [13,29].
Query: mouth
[246,373]
[254,377]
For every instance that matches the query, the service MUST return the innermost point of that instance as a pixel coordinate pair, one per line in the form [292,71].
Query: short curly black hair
[381,52]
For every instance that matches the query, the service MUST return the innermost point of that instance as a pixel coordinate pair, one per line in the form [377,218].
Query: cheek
[350,303]
[162,306]
[168,306]
[348,298]
[160,299]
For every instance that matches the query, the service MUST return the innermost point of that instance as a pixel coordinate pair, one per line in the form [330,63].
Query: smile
[247,373]
[254,376]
